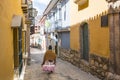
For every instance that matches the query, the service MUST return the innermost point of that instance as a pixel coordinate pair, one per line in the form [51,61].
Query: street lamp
[59,5]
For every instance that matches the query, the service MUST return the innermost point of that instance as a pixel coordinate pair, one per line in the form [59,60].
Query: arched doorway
[84,41]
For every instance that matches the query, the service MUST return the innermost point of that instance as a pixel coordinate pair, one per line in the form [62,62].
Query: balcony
[82,4]
[58,23]
[24,6]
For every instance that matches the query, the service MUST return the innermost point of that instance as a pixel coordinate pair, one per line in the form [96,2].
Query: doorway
[17,45]
[85,42]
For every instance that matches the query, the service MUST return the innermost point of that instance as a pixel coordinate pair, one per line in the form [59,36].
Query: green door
[85,42]
[17,40]
[20,49]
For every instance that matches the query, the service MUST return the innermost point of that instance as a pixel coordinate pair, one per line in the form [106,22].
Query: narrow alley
[63,70]
[85,35]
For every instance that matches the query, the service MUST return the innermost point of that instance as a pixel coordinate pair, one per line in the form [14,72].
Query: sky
[40,5]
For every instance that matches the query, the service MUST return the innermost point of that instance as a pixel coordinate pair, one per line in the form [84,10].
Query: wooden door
[85,44]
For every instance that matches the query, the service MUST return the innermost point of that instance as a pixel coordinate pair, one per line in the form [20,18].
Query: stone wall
[74,57]
[70,55]
[98,66]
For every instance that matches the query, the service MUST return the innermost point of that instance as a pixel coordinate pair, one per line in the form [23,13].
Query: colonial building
[90,47]
[14,34]
[95,46]
[56,23]
[88,34]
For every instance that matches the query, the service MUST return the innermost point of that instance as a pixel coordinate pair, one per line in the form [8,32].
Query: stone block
[117,77]
[92,62]
[110,76]
[99,60]
[96,64]
[100,65]
[105,67]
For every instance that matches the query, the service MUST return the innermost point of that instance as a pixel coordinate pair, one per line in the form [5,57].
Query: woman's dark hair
[50,47]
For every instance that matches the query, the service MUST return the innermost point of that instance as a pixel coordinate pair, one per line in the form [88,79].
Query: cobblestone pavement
[63,71]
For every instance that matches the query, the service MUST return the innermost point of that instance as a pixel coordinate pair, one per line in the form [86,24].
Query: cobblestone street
[63,71]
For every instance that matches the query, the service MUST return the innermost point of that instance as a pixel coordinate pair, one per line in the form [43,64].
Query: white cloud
[42,1]
[40,5]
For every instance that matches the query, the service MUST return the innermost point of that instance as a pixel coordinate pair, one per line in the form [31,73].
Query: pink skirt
[48,67]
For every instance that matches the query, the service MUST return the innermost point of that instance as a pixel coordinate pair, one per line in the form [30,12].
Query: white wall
[95,7]
[66,23]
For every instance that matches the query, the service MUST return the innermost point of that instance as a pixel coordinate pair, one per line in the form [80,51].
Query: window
[64,15]
[65,11]
[104,21]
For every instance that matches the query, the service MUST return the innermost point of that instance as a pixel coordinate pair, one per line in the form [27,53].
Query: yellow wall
[94,7]
[7,9]
[98,37]
[74,37]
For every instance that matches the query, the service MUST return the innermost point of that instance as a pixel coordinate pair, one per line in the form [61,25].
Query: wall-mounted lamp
[59,5]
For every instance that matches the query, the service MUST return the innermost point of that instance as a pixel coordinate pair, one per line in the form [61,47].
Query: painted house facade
[14,42]
[91,42]
[56,22]
[92,37]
